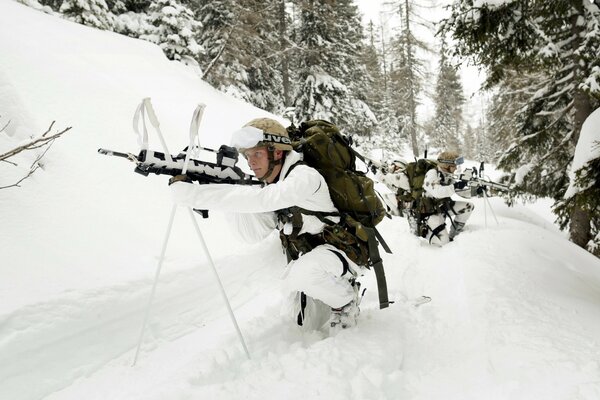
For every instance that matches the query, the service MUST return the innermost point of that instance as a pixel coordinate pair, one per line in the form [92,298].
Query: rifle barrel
[494,185]
[107,152]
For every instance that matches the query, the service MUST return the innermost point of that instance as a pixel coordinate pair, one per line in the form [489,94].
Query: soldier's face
[258,161]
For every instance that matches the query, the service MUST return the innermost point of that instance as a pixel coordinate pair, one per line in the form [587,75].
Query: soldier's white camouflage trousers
[459,212]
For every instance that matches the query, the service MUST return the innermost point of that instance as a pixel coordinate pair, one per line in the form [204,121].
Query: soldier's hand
[467,175]
[373,168]
[179,178]
[460,185]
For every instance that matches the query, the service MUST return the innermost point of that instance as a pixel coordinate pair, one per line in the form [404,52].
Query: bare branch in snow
[44,141]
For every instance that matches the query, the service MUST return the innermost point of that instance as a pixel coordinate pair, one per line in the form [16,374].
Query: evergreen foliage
[561,40]
[93,13]
[448,122]
[469,149]
[242,58]
[174,27]
[407,75]
[326,60]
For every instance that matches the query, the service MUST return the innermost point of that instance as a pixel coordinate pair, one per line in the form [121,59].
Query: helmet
[450,158]
[262,132]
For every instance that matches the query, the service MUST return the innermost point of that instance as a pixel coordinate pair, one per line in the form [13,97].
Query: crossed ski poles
[145,109]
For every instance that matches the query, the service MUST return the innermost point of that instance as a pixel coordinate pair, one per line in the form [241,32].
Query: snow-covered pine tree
[469,143]
[448,121]
[127,17]
[351,43]
[323,65]
[263,41]
[560,39]
[131,17]
[374,91]
[242,43]
[218,18]
[373,81]
[174,29]
[406,80]
[93,13]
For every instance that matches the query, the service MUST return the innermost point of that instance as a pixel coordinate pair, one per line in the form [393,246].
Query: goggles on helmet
[456,161]
[249,137]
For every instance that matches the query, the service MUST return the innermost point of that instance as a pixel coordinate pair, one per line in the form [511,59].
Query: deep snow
[515,309]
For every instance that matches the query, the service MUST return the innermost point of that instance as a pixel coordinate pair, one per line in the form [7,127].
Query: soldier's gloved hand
[460,185]
[182,193]
[179,178]
[373,168]
[467,175]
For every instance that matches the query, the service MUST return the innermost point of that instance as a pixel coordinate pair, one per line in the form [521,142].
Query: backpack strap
[383,243]
[377,263]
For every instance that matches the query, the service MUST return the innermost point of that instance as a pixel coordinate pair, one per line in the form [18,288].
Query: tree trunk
[285,73]
[580,226]
[412,94]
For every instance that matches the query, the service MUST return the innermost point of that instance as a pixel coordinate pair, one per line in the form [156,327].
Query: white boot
[457,228]
[346,316]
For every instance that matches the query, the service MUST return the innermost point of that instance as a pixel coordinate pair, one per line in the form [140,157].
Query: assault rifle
[472,178]
[204,172]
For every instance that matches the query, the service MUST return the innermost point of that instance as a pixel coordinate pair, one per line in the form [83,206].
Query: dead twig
[35,143]
[45,140]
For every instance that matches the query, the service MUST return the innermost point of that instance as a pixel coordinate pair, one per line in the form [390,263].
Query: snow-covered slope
[515,307]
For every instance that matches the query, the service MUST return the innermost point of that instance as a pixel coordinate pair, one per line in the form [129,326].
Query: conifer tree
[469,143]
[448,121]
[174,27]
[350,39]
[560,39]
[242,43]
[408,75]
[373,85]
[93,13]
[324,67]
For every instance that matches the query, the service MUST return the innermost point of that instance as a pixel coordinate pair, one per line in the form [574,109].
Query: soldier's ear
[278,154]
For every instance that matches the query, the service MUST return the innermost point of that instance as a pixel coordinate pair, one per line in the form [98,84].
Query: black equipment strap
[377,265]
[344,262]
[302,308]
[383,243]
[438,229]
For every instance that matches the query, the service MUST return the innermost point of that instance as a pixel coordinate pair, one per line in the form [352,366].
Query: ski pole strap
[377,265]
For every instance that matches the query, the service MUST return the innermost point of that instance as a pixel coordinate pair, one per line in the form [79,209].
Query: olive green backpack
[352,192]
[415,172]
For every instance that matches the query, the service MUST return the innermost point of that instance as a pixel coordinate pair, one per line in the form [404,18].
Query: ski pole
[147,105]
[194,126]
[156,275]
[485,196]
[222,289]
[194,134]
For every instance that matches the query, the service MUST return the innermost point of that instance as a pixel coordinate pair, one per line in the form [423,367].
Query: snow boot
[457,227]
[346,316]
